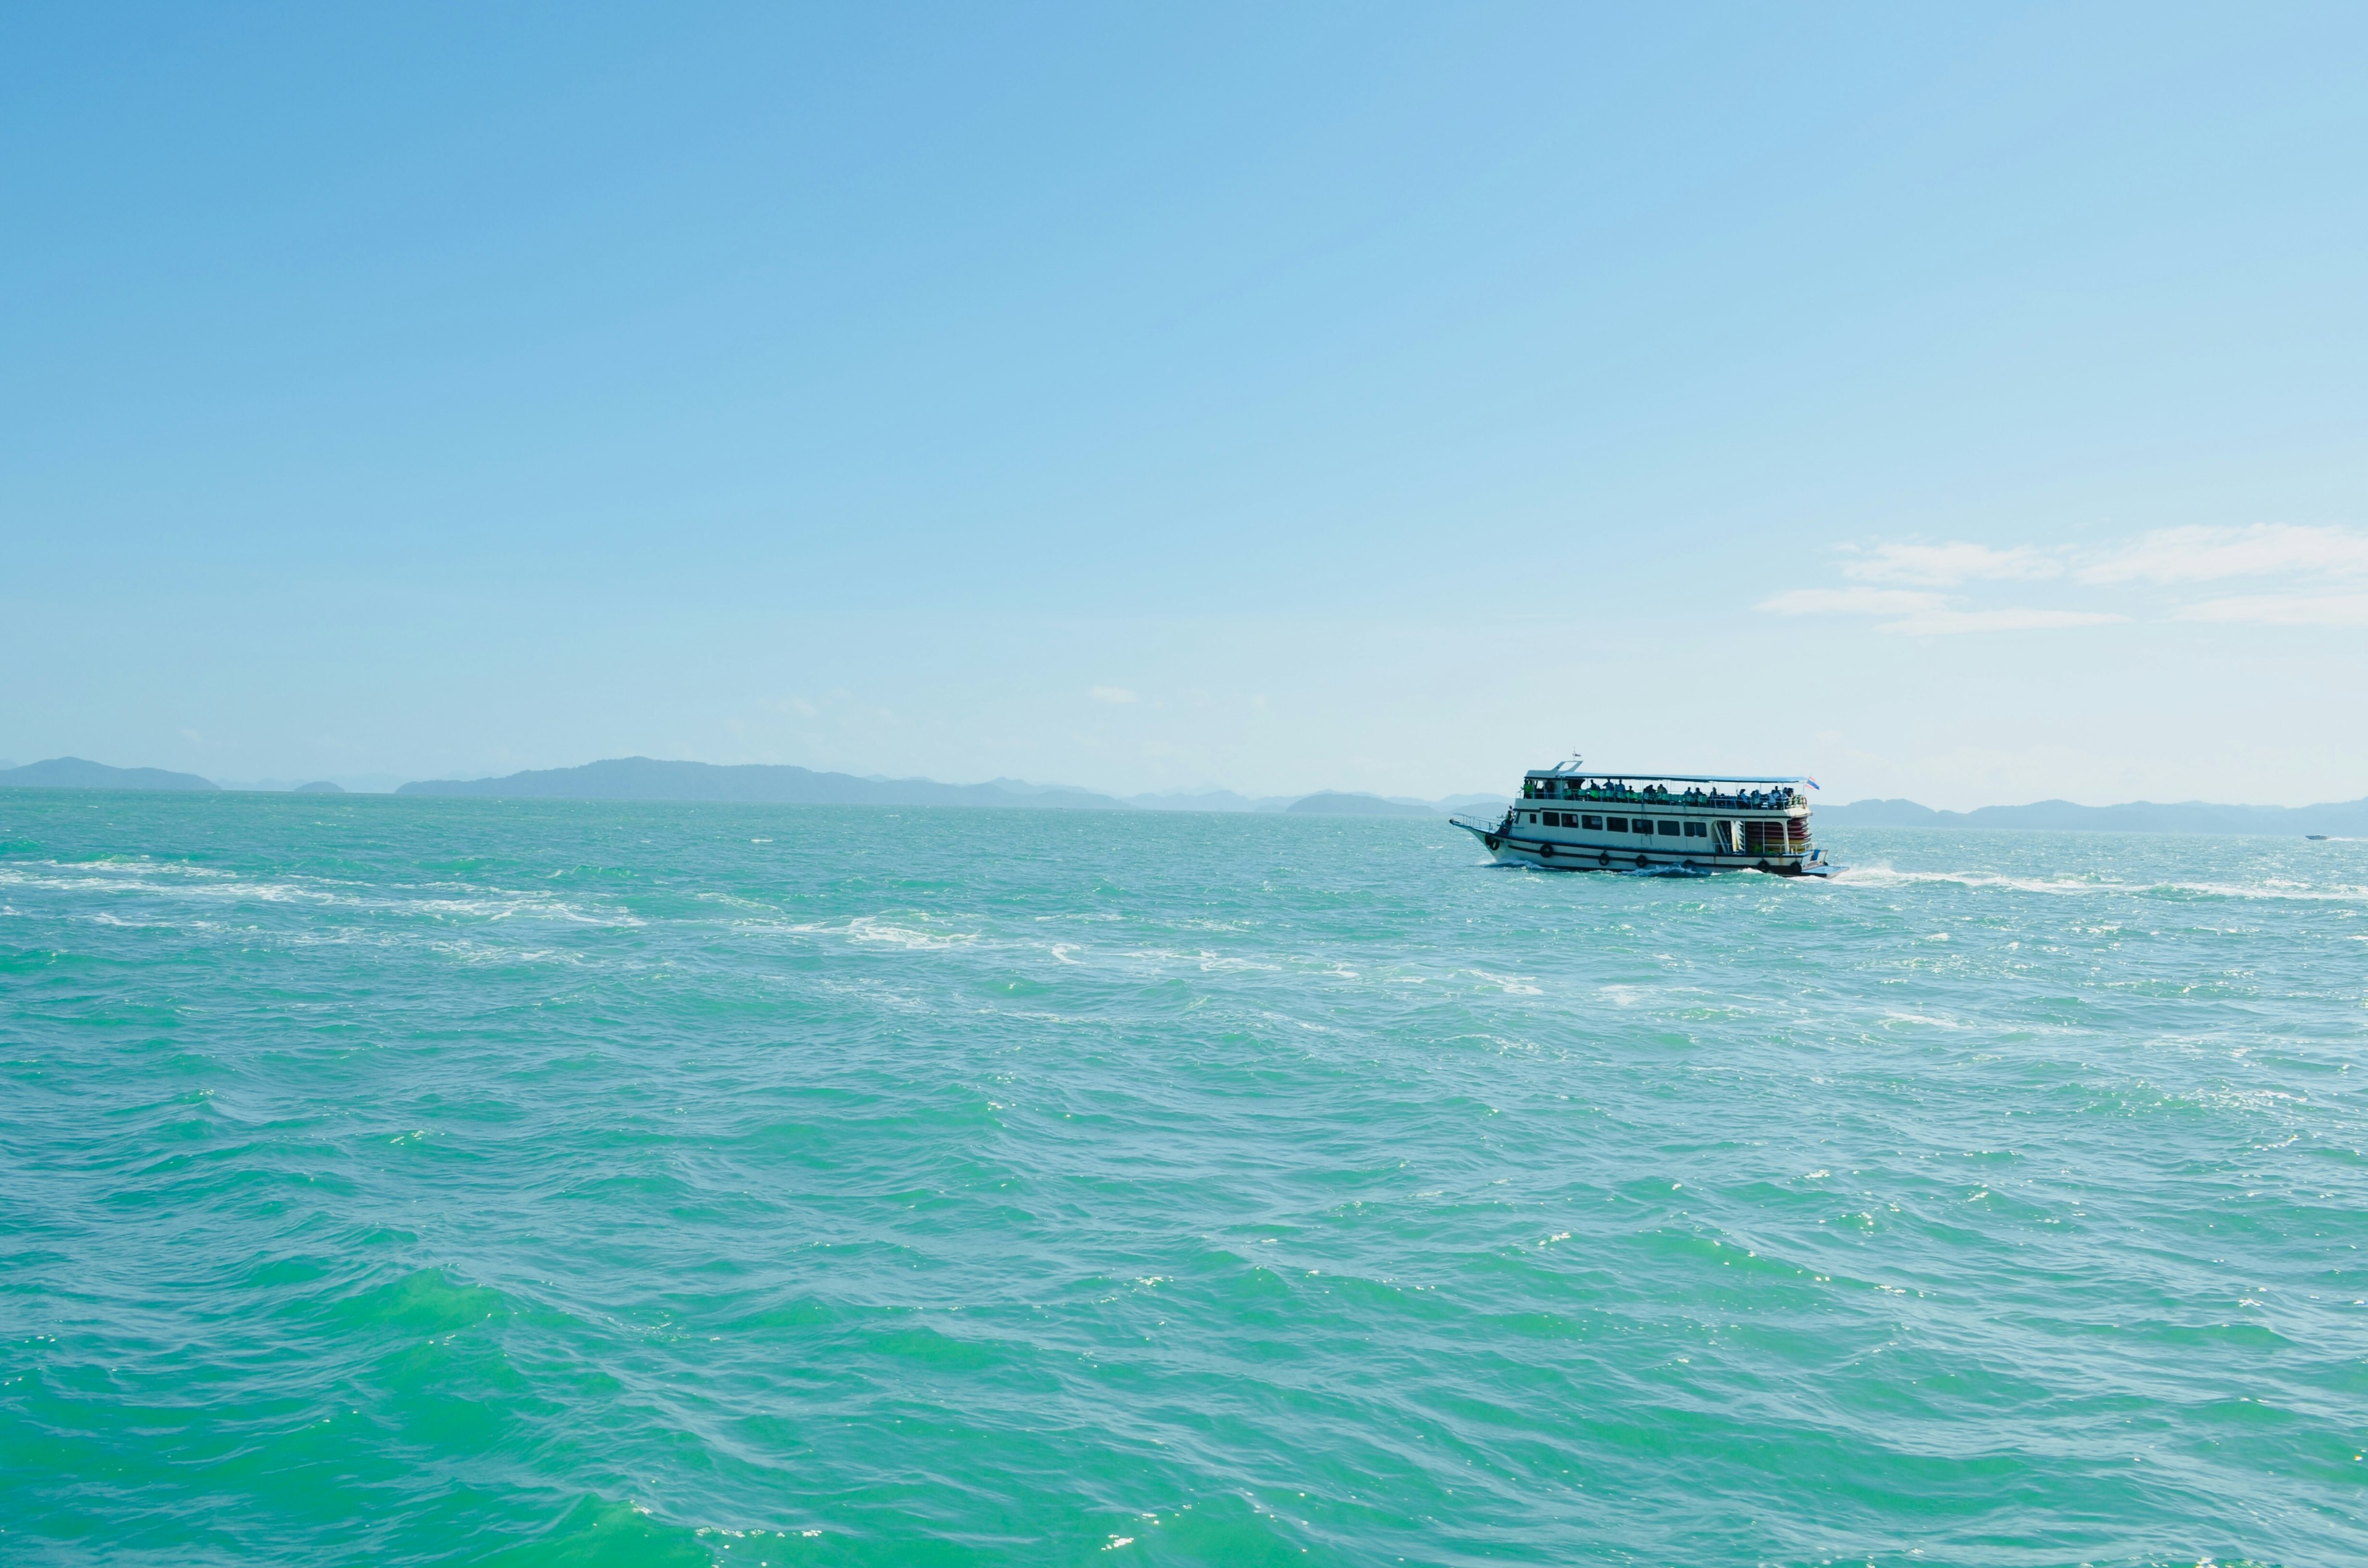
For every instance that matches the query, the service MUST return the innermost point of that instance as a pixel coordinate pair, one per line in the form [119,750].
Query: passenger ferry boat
[1572,818]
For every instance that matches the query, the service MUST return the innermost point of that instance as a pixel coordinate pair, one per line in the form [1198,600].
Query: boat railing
[1674,803]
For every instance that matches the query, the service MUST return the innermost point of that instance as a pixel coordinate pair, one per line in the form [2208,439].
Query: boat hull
[1519,846]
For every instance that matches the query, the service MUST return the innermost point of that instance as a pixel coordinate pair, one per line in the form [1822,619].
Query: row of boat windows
[1624,825]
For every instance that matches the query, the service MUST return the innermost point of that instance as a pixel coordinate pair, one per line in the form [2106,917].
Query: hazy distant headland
[647,778]
[1333,803]
[73,772]
[2346,818]
[644,778]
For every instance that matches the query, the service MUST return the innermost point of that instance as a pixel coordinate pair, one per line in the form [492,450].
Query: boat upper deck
[1677,792]
[1565,770]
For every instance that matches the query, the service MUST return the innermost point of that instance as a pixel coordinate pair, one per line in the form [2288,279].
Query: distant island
[73,772]
[1331,803]
[644,778]
[648,779]
[2346,819]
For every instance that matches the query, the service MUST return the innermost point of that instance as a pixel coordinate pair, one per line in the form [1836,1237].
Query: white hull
[1723,845]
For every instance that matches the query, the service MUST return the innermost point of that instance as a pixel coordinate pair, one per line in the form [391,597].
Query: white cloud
[1926,615]
[1854,601]
[1110,694]
[1945,565]
[2205,555]
[1945,622]
[2320,557]
[2275,609]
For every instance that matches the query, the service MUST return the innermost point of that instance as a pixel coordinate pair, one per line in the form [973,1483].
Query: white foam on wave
[476,953]
[880,930]
[1202,960]
[104,919]
[1510,984]
[734,901]
[211,885]
[141,865]
[887,933]
[2070,883]
[494,907]
[169,884]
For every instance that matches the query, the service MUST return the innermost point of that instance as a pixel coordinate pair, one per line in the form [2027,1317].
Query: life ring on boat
[1604,859]
[1491,840]
[1546,851]
[1642,862]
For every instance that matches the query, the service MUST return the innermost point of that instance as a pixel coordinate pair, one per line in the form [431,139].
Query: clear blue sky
[1965,403]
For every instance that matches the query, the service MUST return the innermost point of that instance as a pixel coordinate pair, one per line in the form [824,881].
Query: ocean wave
[1149,1197]
[2074,884]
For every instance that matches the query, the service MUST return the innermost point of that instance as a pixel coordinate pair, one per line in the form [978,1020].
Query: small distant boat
[2315,838]
[1571,817]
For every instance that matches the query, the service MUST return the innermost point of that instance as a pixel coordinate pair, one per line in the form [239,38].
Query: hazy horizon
[389,783]
[1955,408]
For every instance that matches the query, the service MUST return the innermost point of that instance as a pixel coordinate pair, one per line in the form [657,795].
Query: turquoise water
[389,1181]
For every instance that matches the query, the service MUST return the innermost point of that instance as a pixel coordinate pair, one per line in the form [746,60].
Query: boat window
[1697,830]
[1640,824]
[1668,830]
[1590,822]
[1554,819]
[1617,824]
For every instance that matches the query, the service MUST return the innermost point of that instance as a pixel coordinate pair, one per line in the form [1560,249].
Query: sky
[1957,404]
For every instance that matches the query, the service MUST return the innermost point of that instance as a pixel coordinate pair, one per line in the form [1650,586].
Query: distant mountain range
[1332,804]
[73,772]
[645,778]
[1210,800]
[1226,800]
[2345,818]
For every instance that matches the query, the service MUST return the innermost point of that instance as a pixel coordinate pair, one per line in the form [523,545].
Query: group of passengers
[1658,794]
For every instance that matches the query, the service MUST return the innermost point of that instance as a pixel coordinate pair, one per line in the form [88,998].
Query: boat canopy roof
[1573,769]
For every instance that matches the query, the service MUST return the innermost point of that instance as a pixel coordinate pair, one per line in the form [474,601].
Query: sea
[436,1181]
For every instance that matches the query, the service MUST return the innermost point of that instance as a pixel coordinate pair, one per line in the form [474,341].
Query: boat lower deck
[1516,843]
